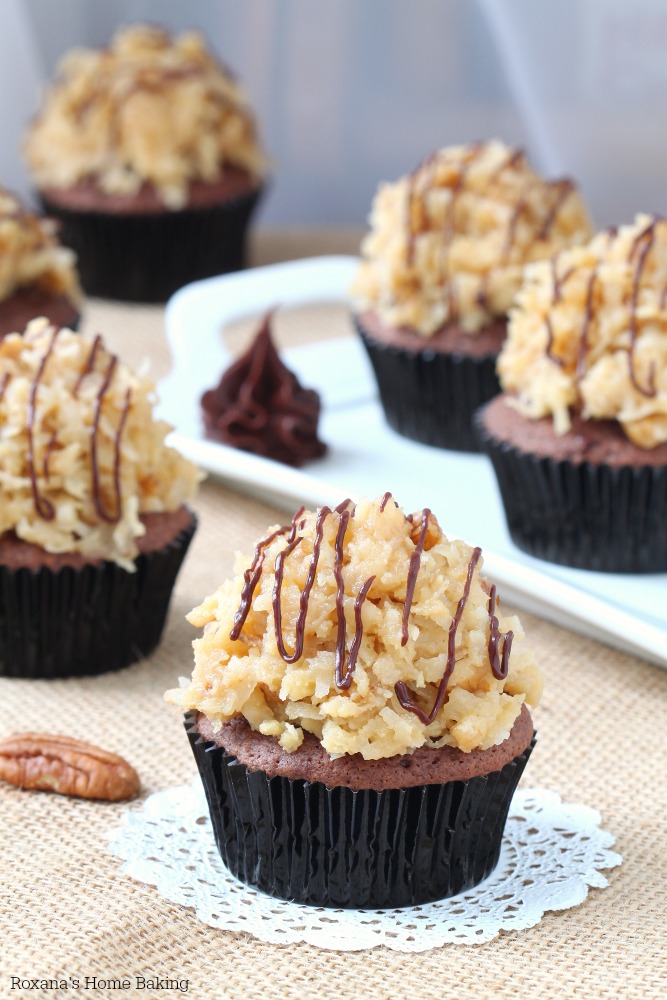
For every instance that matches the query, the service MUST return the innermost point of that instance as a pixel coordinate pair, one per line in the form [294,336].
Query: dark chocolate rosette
[302,841]
[581,514]
[72,622]
[428,395]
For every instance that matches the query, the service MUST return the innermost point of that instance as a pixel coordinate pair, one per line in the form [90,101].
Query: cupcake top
[30,254]
[367,628]
[81,456]
[147,109]
[260,406]
[448,242]
[589,331]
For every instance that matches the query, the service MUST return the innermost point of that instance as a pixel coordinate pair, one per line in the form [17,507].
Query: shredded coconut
[590,330]
[81,456]
[450,241]
[30,254]
[148,108]
[248,676]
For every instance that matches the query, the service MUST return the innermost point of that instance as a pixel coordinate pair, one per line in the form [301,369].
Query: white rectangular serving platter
[366,458]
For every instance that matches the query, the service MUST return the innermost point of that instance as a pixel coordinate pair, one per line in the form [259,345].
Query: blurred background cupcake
[93,527]
[440,268]
[148,155]
[579,438]
[37,275]
[358,710]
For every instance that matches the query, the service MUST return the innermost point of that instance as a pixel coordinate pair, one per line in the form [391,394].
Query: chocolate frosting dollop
[260,406]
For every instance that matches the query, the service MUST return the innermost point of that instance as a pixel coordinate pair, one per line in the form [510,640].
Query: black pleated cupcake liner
[74,622]
[581,514]
[147,257]
[429,396]
[301,841]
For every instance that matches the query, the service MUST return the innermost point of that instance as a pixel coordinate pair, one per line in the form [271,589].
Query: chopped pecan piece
[67,766]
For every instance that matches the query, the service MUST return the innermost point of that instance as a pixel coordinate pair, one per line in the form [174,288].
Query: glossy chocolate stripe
[343,675]
[401,688]
[252,575]
[649,237]
[44,507]
[499,662]
[300,627]
[413,570]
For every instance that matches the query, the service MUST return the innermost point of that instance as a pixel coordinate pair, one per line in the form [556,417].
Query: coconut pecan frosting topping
[81,455]
[30,254]
[150,108]
[366,627]
[448,242]
[589,332]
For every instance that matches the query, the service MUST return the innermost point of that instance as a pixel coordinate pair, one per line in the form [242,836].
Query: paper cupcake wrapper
[147,257]
[72,622]
[582,514]
[302,841]
[429,396]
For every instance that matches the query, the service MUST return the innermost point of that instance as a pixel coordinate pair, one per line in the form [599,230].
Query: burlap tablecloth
[67,911]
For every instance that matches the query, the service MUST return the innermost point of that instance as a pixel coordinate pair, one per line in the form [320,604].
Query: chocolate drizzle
[252,575]
[580,370]
[401,688]
[300,627]
[44,507]
[558,283]
[116,515]
[648,238]
[564,189]
[427,164]
[4,382]
[413,570]
[342,675]
[260,406]
[385,500]
[89,365]
[499,643]
[499,661]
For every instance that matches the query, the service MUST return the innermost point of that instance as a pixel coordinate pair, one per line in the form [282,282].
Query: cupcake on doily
[37,275]
[147,153]
[579,439]
[93,527]
[358,710]
[439,271]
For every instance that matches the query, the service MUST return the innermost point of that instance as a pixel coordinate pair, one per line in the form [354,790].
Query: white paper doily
[552,852]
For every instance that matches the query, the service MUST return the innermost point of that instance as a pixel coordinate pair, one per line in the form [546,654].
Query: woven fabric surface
[67,911]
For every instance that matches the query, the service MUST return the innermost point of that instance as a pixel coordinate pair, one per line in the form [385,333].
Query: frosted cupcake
[358,710]
[93,527]
[148,154]
[37,275]
[440,268]
[579,438]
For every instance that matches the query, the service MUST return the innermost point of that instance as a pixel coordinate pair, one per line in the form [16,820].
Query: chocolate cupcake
[93,527]
[261,407]
[147,154]
[358,721]
[579,440]
[439,271]
[37,275]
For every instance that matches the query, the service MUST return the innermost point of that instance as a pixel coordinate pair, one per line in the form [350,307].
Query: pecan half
[69,767]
